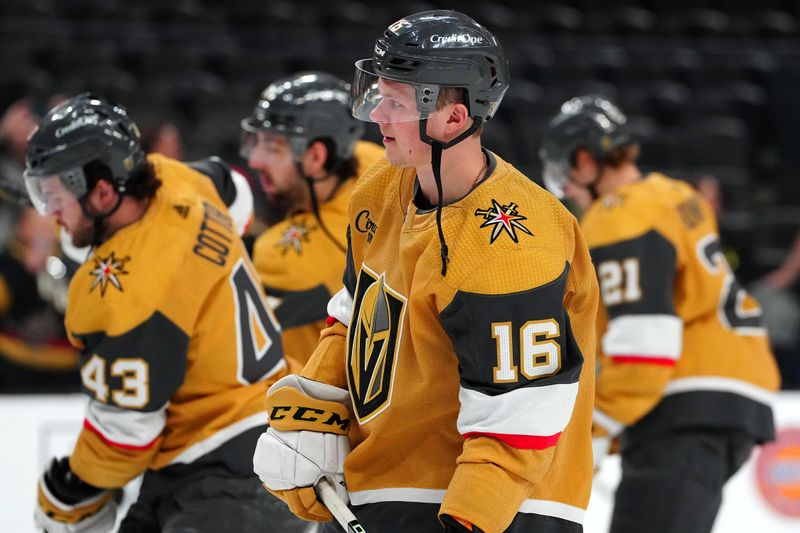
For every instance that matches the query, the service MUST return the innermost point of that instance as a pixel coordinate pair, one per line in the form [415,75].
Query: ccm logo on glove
[287,413]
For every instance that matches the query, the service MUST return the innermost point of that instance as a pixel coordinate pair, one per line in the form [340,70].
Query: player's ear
[457,120]
[103,197]
[584,163]
[314,159]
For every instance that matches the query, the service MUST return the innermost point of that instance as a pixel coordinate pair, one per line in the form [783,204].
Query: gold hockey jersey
[472,390]
[681,340]
[301,266]
[177,344]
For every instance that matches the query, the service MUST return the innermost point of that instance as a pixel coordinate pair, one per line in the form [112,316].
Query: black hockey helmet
[592,122]
[305,107]
[81,130]
[430,50]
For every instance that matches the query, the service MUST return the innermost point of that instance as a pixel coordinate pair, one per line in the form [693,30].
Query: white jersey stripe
[547,410]
[222,436]
[340,306]
[542,507]
[656,336]
[363,497]
[719,384]
[611,425]
[126,427]
[241,210]
[556,509]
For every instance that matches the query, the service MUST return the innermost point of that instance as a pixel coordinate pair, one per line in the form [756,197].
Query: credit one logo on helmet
[77,123]
[463,38]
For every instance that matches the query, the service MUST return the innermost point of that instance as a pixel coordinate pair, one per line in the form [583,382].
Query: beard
[83,235]
[287,200]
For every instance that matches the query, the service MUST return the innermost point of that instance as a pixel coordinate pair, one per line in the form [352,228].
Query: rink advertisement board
[763,496]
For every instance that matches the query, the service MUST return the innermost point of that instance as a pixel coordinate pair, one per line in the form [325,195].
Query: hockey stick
[338,508]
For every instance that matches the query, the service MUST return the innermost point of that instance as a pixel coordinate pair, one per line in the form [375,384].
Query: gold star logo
[294,236]
[107,271]
[503,218]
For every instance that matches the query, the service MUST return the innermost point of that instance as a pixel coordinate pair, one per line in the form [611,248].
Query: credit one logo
[364,224]
[463,38]
[77,123]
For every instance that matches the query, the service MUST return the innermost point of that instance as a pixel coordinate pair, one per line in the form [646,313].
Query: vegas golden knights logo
[373,342]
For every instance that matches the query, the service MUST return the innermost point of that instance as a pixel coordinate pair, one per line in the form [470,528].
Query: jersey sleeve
[643,338]
[299,308]
[523,360]
[129,379]
[517,354]
[327,362]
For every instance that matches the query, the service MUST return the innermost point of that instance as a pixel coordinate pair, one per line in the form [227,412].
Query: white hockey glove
[306,441]
[65,504]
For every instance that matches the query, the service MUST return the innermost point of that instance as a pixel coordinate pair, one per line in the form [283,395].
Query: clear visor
[248,141]
[248,138]
[50,194]
[377,99]
[555,176]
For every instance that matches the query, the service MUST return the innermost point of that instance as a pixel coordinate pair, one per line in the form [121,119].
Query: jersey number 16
[540,351]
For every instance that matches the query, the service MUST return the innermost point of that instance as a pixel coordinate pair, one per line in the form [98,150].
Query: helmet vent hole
[403,64]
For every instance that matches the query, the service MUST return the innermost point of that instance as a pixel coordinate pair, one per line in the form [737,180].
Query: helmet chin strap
[99,219]
[437,147]
[309,181]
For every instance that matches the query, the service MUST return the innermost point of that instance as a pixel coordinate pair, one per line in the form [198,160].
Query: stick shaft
[338,508]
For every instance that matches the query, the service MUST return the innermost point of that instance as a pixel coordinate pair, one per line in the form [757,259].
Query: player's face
[62,204]
[579,194]
[398,118]
[272,158]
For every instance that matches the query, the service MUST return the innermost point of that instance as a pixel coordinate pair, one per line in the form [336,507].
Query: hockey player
[463,339]
[304,145]
[177,345]
[686,372]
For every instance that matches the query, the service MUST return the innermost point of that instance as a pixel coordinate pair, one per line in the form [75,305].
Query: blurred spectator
[16,123]
[710,189]
[34,353]
[782,313]
[163,138]
[788,271]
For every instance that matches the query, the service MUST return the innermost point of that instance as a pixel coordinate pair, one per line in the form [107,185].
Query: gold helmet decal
[373,342]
